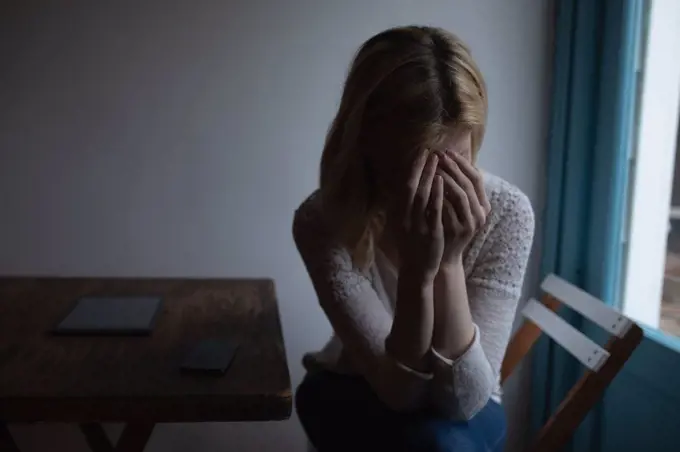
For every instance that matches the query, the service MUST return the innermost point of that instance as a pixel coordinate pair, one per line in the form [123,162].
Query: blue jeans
[341,413]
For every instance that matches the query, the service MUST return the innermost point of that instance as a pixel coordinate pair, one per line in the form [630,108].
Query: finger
[411,186]
[448,165]
[476,206]
[449,216]
[422,196]
[435,206]
[458,198]
[450,220]
[456,222]
[476,178]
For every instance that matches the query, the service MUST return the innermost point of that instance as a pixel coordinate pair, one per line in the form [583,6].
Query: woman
[416,256]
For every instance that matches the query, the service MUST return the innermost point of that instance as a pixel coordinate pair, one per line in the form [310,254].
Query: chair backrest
[602,363]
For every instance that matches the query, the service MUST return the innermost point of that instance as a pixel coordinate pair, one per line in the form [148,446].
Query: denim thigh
[341,413]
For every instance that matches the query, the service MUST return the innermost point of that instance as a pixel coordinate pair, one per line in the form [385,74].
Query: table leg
[96,437]
[133,438]
[6,441]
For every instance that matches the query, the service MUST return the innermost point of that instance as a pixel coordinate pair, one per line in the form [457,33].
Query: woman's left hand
[465,207]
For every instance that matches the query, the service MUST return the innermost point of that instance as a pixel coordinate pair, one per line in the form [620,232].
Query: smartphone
[211,356]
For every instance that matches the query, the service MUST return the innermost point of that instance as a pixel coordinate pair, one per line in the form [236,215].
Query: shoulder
[510,207]
[312,233]
[324,256]
[504,245]
[308,217]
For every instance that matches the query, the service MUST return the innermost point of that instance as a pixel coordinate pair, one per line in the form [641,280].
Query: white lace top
[360,306]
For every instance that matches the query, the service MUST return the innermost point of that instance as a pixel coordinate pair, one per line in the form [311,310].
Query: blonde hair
[406,89]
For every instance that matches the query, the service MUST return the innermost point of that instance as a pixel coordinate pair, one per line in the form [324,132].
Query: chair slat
[581,347]
[524,339]
[585,304]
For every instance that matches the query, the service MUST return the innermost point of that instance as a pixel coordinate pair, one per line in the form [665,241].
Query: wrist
[449,287]
[418,360]
[416,277]
[450,266]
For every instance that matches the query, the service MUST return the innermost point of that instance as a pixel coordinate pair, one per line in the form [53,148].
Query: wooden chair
[602,364]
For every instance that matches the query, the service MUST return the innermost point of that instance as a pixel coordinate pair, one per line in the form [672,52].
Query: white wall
[177,137]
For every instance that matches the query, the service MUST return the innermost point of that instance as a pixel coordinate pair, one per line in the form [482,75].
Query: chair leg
[133,438]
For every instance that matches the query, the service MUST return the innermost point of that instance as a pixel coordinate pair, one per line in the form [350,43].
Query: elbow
[462,397]
[467,412]
[472,411]
[465,408]
[462,389]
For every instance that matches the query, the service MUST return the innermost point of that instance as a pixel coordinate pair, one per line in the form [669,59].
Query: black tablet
[127,316]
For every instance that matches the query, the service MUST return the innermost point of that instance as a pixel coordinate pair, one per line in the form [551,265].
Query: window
[651,282]
[669,320]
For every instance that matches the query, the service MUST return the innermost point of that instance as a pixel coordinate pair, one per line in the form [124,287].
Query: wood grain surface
[44,377]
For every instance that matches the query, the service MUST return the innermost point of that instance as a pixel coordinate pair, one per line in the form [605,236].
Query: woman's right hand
[421,238]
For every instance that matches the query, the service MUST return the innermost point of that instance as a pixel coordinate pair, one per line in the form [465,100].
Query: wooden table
[137,380]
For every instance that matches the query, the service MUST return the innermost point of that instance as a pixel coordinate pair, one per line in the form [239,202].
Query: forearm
[453,329]
[411,335]
[462,377]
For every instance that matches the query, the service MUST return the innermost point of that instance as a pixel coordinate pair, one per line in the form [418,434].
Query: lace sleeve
[463,387]
[354,309]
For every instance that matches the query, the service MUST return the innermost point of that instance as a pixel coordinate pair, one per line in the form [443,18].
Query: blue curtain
[594,97]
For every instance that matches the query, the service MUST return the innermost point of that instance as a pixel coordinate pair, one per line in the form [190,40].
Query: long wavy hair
[407,88]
